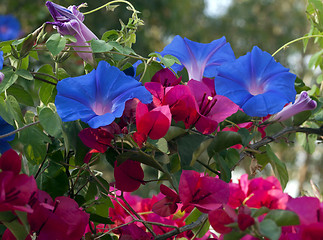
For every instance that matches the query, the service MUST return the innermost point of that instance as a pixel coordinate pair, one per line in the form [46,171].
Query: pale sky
[217,8]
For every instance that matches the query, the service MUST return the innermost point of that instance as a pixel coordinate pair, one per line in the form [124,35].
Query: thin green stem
[293,41]
[109,3]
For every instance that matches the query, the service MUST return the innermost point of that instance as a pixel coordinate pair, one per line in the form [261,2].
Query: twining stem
[19,129]
[293,41]
[109,3]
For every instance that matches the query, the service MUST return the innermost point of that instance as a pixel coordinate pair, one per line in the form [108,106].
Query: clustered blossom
[59,219]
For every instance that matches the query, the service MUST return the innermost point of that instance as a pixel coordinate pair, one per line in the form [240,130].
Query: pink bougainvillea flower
[69,21]
[7,235]
[244,218]
[15,191]
[166,78]
[199,59]
[10,161]
[128,175]
[302,103]
[182,104]
[61,219]
[206,193]
[153,124]
[257,83]
[168,205]
[129,113]
[132,231]
[99,138]
[219,218]
[212,108]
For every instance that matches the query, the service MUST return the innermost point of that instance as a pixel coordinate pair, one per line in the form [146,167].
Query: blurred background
[268,24]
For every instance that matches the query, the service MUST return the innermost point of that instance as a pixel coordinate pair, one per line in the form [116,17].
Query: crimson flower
[128,175]
[153,124]
[206,193]
[10,161]
[60,219]
[168,205]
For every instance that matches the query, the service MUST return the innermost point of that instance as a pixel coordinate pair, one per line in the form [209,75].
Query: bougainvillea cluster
[184,129]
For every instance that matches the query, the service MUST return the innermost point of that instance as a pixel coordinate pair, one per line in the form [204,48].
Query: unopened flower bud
[302,103]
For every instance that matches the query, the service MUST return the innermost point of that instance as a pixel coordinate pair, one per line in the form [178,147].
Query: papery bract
[302,103]
[132,231]
[168,205]
[257,83]
[99,138]
[15,191]
[199,59]
[9,27]
[166,78]
[4,129]
[218,219]
[10,161]
[212,108]
[69,21]
[128,175]
[61,219]
[99,97]
[154,123]
[206,193]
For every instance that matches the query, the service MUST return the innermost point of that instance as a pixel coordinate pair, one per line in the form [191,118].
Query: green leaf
[24,74]
[301,117]
[239,117]
[100,46]
[10,77]
[307,141]
[99,210]
[160,144]
[202,148]
[139,157]
[232,157]
[233,235]
[150,71]
[20,93]
[50,121]
[192,217]
[19,230]
[70,38]
[111,35]
[10,111]
[222,141]
[316,59]
[269,229]
[56,43]
[169,60]
[222,166]
[174,132]
[262,158]
[246,137]
[278,166]
[260,211]
[283,217]
[186,146]
[91,191]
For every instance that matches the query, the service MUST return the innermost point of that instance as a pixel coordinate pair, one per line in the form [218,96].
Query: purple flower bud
[69,21]
[1,76]
[302,103]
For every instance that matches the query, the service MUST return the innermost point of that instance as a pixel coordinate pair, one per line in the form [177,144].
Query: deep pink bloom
[153,124]
[15,191]
[218,219]
[99,138]
[182,104]
[166,78]
[132,231]
[10,161]
[212,108]
[206,193]
[128,175]
[61,219]
[168,205]
[244,218]
[302,103]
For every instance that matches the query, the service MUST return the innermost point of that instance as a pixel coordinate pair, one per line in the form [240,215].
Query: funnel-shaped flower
[99,97]
[257,83]
[199,59]
[302,103]
[9,27]
[4,129]
[69,21]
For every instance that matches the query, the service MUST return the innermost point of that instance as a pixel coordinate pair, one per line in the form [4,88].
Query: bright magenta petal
[10,161]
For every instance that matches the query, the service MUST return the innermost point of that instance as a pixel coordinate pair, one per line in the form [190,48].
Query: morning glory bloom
[69,21]
[4,129]
[99,97]
[257,83]
[199,59]
[9,27]
[302,103]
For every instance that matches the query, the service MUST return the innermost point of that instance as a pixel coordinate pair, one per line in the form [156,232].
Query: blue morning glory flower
[99,97]
[9,27]
[199,59]
[4,129]
[257,83]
